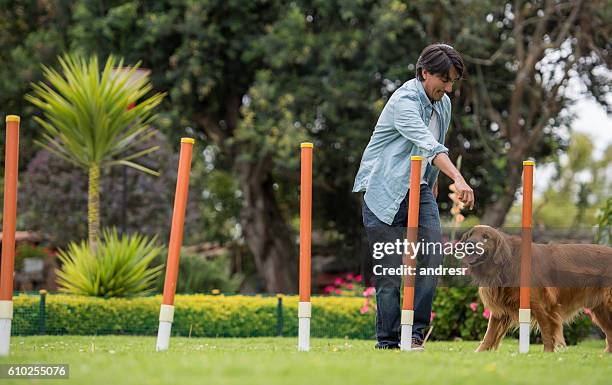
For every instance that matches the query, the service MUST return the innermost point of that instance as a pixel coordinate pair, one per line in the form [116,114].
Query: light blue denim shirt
[401,131]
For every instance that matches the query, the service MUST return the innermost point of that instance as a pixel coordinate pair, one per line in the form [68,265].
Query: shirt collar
[425,99]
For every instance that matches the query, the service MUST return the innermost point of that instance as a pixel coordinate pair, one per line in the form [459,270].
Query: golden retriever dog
[565,279]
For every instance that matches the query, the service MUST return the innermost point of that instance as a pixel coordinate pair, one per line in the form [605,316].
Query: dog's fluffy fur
[580,275]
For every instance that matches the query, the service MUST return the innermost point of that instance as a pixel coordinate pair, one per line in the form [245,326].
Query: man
[413,122]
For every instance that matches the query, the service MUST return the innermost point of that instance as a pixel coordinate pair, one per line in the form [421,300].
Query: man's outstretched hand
[464,192]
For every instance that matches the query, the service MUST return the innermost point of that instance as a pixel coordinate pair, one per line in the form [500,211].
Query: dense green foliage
[604,232]
[198,274]
[119,267]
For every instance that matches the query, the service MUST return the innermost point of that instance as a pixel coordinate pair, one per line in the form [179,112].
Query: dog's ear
[466,235]
[503,252]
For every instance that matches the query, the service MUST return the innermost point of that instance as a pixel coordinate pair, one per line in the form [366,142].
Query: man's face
[436,85]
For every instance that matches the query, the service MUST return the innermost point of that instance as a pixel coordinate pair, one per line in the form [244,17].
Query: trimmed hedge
[196,315]
[458,314]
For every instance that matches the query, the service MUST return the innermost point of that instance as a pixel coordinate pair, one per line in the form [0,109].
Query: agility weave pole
[304,306]
[526,239]
[407,317]
[9,218]
[166,312]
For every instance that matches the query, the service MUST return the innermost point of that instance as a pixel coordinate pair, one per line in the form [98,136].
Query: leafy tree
[253,79]
[581,185]
[31,33]
[604,231]
[87,121]
[205,54]
[520,73]
[54,198]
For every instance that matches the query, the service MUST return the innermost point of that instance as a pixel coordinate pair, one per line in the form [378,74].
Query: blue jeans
[388,286]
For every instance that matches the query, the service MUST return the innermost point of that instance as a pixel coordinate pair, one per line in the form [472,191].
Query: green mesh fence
[455,316]
[195,316]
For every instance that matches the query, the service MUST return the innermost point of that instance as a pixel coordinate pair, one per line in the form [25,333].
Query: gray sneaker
[417,345]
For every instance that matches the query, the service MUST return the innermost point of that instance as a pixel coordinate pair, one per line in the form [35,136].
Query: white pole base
[524,326]
[304,334]
[407,320]
[5,336]
[406,337]
[166,316]
[304,313]
[163,335]
[524,337]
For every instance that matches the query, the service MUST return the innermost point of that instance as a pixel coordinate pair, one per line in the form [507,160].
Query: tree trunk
[266,232]
[495,212]
[93,207]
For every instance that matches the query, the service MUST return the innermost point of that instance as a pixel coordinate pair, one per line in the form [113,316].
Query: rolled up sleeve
[408,122]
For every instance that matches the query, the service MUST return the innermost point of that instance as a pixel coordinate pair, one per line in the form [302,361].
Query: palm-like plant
[120,267]
[88,123]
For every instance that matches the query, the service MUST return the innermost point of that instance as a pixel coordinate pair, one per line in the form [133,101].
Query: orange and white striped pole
[304,306]
[9,219]
[414,196]
[166,313]
[526,239]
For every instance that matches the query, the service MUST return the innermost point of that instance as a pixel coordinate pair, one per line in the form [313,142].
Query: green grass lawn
[133,360]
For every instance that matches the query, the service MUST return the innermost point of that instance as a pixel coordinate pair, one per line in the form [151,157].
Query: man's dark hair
[438,59]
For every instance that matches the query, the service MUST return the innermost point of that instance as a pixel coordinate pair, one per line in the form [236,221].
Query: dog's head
[489,251]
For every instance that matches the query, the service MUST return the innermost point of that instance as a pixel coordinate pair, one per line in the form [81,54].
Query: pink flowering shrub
[456,312]
[460,314]
[486,313]
[347,286]
[351,286]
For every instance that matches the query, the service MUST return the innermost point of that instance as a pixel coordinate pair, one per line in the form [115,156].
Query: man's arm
[464,191]
[408,122]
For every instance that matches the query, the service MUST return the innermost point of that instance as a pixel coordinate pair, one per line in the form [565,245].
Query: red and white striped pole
[526,239]
[304,306]
[407,317]
[9,219]
[166,312]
